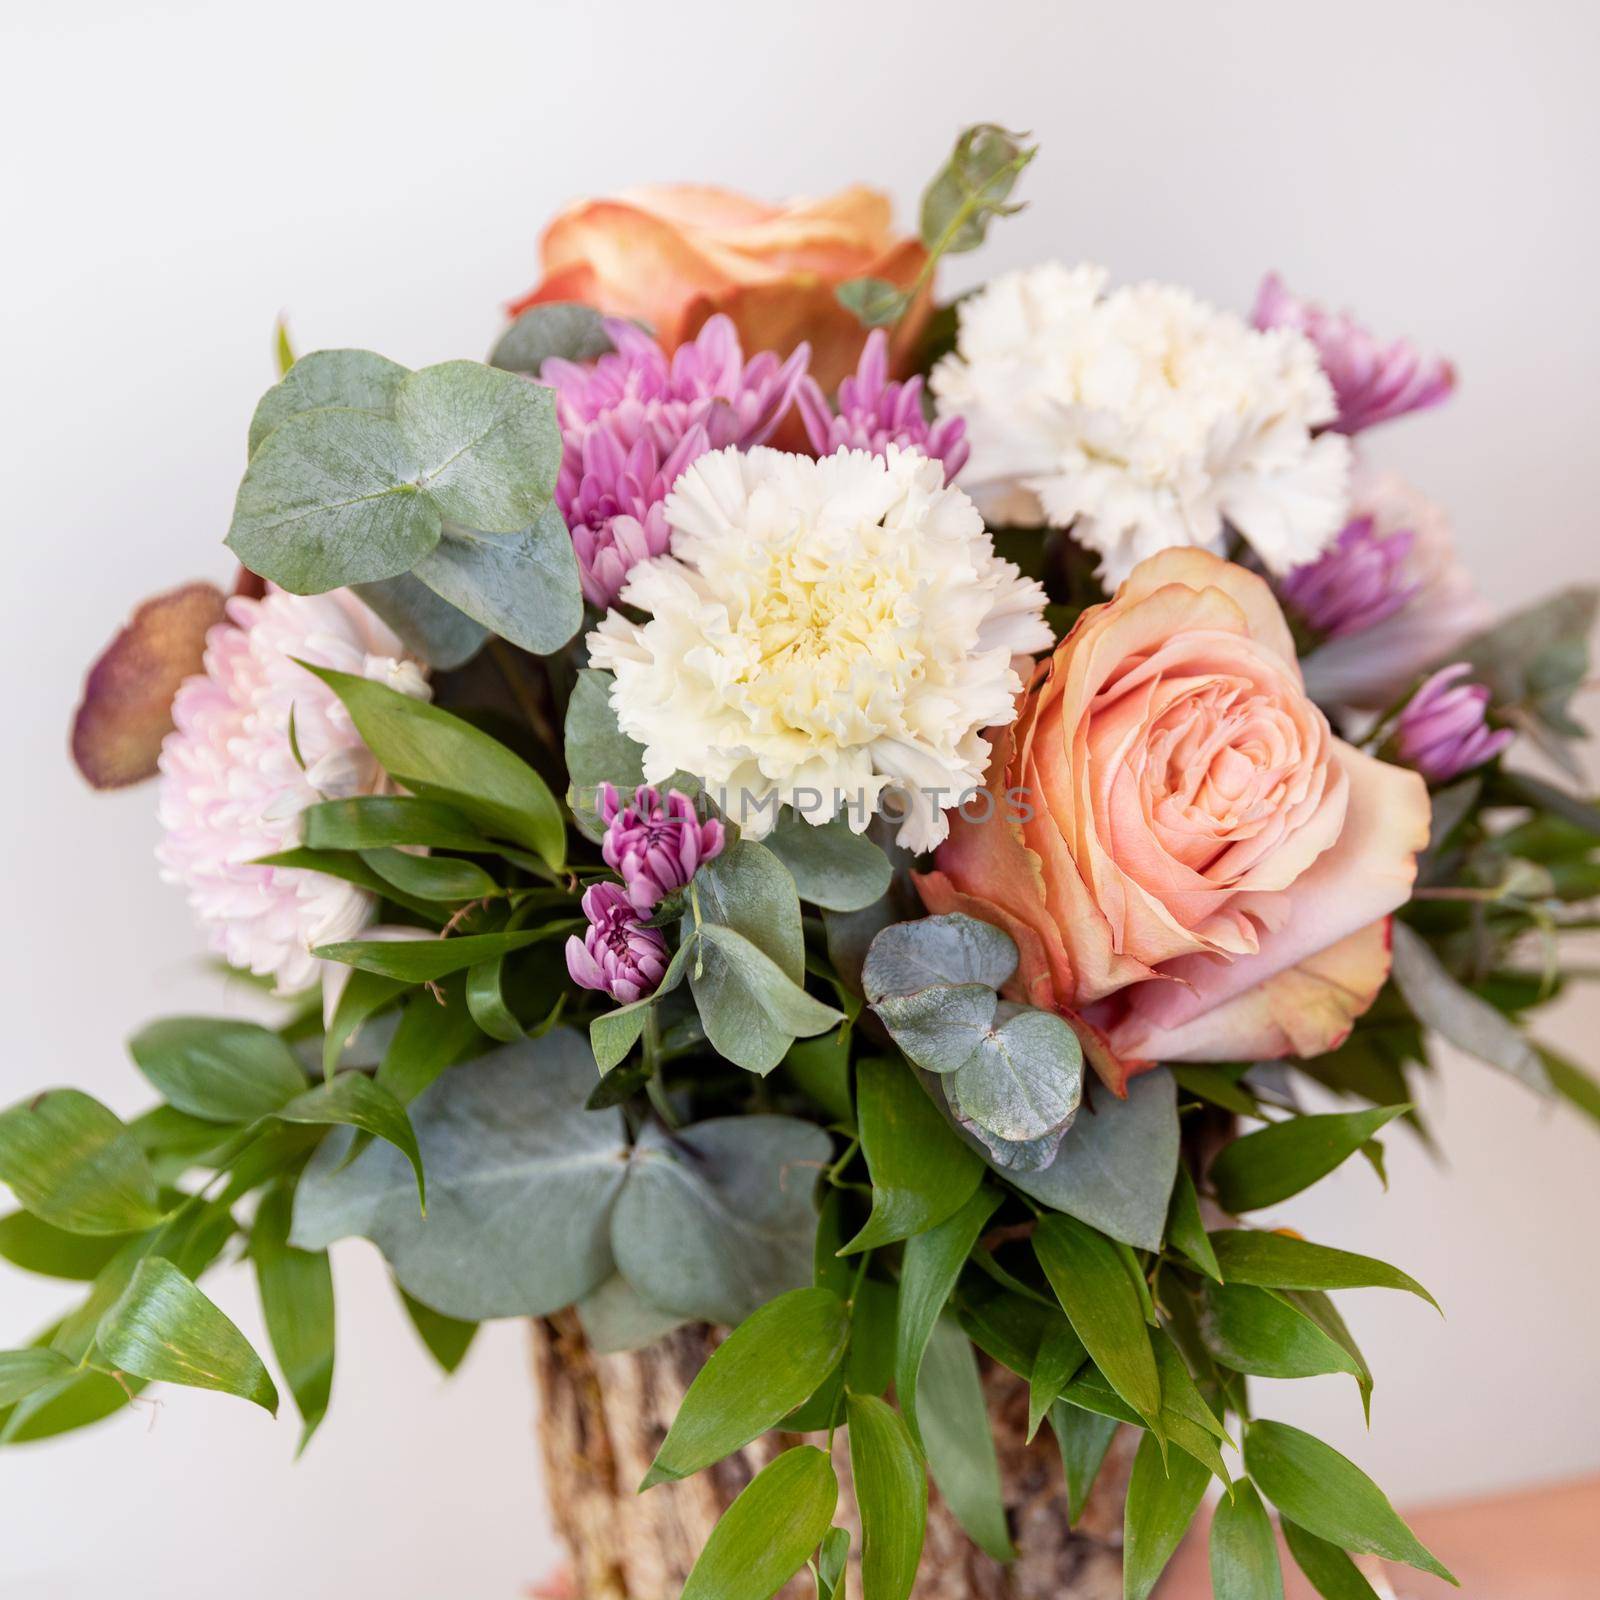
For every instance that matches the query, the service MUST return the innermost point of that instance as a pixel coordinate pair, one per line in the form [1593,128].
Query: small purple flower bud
[1442,732]
[655,843]
[1372,382]
[618,955]
[875,413]
[1356,583]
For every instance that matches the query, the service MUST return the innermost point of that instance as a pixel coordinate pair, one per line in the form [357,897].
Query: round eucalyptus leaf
[354,380]
[561,328]
[908,956]
[942,1027]
[1025,1078]
[428,625]
[831,866]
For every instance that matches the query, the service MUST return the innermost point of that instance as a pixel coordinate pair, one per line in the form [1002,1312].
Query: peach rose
[1207,872]
[675,254]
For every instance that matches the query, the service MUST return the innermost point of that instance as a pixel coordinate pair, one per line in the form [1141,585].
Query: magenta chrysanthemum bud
[875,413]
[634,420]
[1442,732]
[655,842]
[1356,583]
[1372,382]
[618,954]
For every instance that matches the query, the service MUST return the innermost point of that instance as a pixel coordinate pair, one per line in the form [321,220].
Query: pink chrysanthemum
[1444,729]
[1372,382]
[618,954]
[655,842]
[635,419]
[256,740]
[875,413]
[1356,583]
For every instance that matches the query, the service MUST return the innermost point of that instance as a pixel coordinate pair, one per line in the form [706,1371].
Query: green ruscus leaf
[217,1068]
[296,1289]
[163,1328]
[1244,1553]
[1162,1501]
[1283,1158]
[892,1493]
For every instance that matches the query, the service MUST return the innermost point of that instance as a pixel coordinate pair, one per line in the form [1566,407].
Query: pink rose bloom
[234,780]
[1381,642]
[1200,870]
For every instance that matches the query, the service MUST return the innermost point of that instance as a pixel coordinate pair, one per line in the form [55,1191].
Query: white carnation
[1142,419]
[823,632]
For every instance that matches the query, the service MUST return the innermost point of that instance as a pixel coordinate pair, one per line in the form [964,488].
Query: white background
[180,174]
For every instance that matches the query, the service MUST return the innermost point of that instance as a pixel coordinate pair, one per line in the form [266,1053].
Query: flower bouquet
[839,853]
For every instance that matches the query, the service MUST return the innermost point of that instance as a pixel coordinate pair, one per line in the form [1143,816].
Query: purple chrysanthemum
[1356,583]
[617,954]
[632,421]
[1372,382]
[874,413]
[655,842]
[1442,732]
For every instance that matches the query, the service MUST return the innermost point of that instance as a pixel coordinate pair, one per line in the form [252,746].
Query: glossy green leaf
[73,1163]
[921,1171]
[821,1067]
[1313,1485]
[831,1561]
[869,1366]
[434,1033]
[217,1068]
[1217,1085]
[354,380]
[1254,1330]
[427,625]
[1083,1437]
[447,1338]
[1061,1352]
[364,995]
[1285,1157]
[522,585]
[891,1494]
[958,1441]
[929,1268]
[486,1000]
[38,1246]
[444,878]
[296,1289]
[766,1535]
[374,821]
[1244,1549]
[23,1371]
[425,960]
[776,1358]
[1185,1231]
[718,1217]
[353,1101]
[1104,1308]
[1327,1568]
[1114,1169]
[558,328]
[1282,1261]
[1162,1500]
[441,757]
[1453,1012]
[164,1329]
[831,866]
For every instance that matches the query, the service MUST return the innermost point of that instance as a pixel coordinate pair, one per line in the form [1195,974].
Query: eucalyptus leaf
[164,1329]
[73,1164]
[558,328]
[776,1358]
[1025,1078]
[1163,1497]
[217,1068]
[1285,1157]
[892,1495]
[1459,1016]
[875,301]
[1313,1485]
[521,585]
[972,188]
[617,1318]
[765,1536]
[751,1009]
[921,1172]
[426,624]
[832,867]
[940,1028]
[910,956]
[353,380]
[597,750]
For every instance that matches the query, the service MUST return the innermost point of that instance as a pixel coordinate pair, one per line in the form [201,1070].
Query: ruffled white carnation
[825,634]
[234,778]
[1142,419]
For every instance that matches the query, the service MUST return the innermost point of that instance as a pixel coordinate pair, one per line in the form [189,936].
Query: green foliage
[972,188]
[921,1172]
[444,878]
[597,750]
[440,757]
[1185,1231]
[353,380]
[829,1567]
[1282,1261]
[892,1495]
[1283,1158]
[875,301]
[831,866]
[426,624]
[1163,1496]
[1105,1309]
[353,1101]
[426,960]
[766,1535]
[957,1440]
[1256,1331]
[73,1164]
[776,1358]
[1083,1438]
[37,1246]
[296,1289]
[217,1068]
[1329,1570]
[1313,1485]
[572,332]
[447,1339]
[24,1371]
[1055,1363]
[374,821]
[163,1328]
[1244,1550]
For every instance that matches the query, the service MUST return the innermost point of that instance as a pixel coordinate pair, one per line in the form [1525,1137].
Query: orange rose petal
[126,710]
[570,283]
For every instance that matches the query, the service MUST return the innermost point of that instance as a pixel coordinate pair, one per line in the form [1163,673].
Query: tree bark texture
[602,1418]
